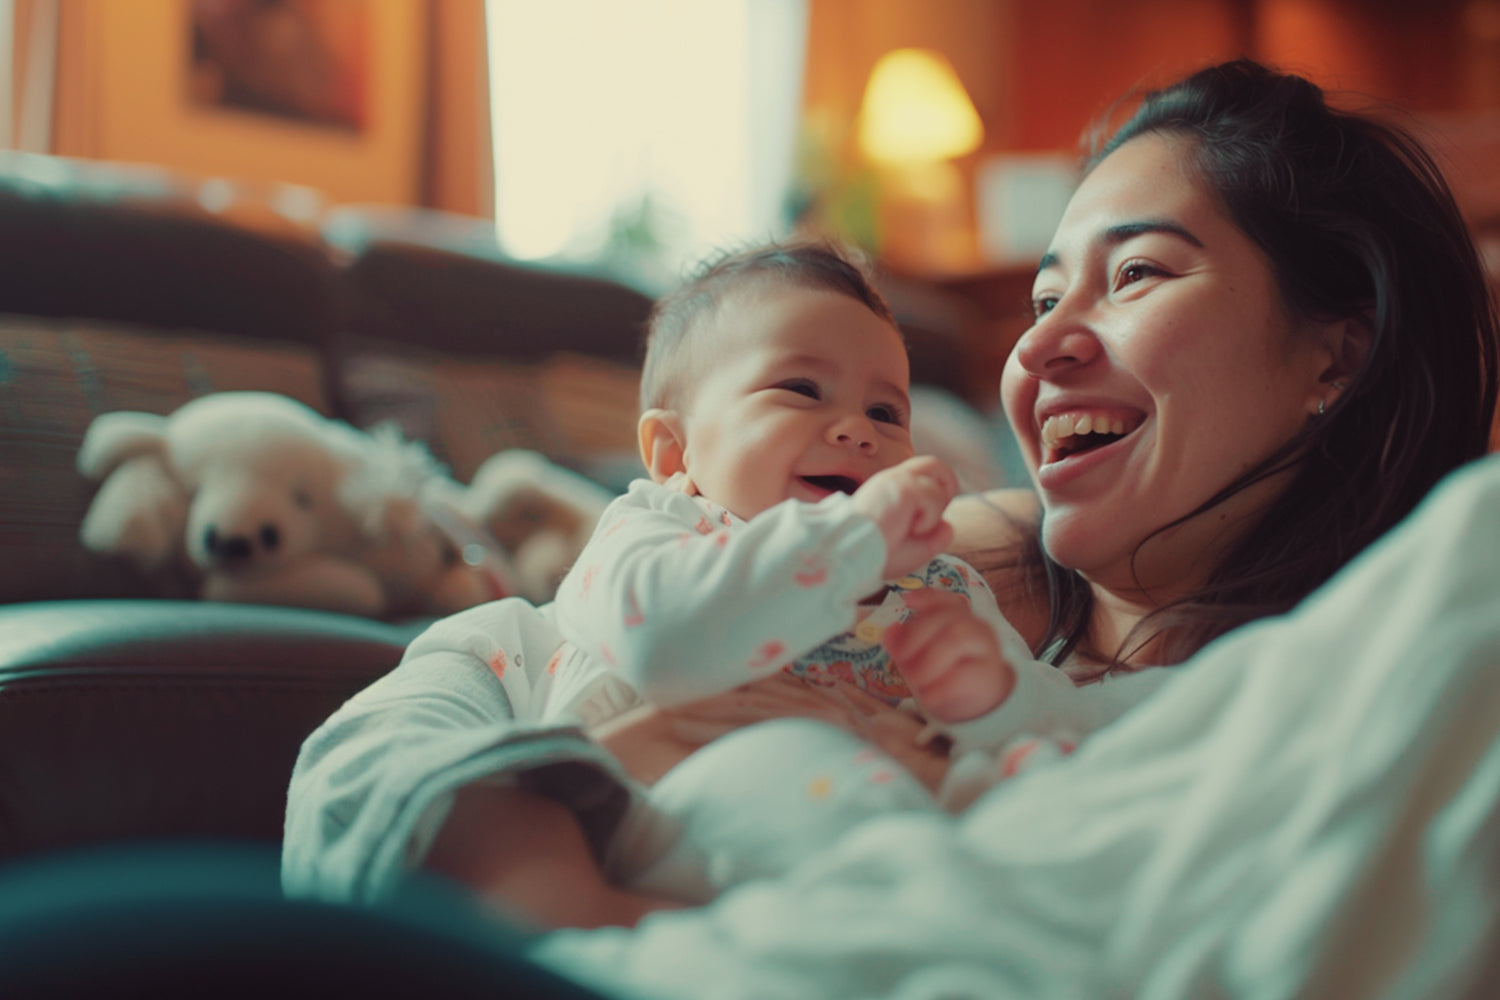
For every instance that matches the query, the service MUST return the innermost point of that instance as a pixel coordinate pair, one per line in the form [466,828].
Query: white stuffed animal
[275,504]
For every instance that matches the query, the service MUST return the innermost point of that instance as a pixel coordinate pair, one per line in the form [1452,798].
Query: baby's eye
[1043,304]
[801,386]
[885,413]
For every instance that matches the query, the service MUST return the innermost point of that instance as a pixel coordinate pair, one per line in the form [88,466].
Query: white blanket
[1308,809]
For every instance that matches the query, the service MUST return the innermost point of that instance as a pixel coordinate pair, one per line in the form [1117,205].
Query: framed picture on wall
[301,60]
[325,94]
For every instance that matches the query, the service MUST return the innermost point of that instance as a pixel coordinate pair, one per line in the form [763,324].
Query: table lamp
[915,119]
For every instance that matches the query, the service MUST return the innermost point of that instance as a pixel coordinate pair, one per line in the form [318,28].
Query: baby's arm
[685,608]
[952,666]
[951,657]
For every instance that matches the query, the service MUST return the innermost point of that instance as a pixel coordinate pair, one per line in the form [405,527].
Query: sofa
[130,712]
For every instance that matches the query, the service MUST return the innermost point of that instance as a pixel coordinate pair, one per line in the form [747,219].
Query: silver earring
[1321,407]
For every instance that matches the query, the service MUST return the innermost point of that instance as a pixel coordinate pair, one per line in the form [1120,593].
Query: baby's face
[806,395]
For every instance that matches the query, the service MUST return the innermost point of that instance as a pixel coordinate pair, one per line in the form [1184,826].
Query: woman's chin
[1075,541]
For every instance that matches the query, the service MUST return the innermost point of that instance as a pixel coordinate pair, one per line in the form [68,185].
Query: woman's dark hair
[820,264]
[1356,221]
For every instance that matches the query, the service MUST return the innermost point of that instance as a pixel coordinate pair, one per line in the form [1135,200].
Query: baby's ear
[662,441]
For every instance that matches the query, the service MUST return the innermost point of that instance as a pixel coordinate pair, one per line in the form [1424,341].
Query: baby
[786,526]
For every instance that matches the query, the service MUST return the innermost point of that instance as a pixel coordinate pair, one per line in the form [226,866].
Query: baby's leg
[755,803]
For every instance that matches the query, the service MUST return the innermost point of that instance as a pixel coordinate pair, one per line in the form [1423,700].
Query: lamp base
[925,223]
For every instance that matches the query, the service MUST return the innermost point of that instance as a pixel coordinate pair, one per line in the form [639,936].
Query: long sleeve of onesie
[1045,701]
[685,601]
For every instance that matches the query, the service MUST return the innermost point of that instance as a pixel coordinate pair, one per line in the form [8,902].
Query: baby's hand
[949,657]
[680,482]
[907,503]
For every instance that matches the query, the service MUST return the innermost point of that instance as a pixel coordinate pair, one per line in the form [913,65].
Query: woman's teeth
[1062,426]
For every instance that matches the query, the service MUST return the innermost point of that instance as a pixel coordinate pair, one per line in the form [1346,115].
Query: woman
[1271,471]
[1262,336]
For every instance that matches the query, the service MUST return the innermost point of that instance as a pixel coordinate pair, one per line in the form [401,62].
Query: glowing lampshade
[915,110]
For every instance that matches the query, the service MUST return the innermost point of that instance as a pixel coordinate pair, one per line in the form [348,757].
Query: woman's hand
[949,656]
[650,741]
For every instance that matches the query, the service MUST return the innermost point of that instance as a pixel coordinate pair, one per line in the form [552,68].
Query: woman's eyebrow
[1115,235]
[1130,230]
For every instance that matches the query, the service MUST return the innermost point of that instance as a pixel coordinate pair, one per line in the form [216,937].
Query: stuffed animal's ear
[115,437]
[139,512]
[383,485]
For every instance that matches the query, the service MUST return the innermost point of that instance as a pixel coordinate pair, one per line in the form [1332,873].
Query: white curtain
[642,134]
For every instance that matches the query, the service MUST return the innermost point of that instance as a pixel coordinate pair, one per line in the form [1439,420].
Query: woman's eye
[885,413]
[1135,271]
[801,386]
[1043,304]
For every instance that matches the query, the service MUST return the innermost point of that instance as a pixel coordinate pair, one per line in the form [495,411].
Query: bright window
[643,133]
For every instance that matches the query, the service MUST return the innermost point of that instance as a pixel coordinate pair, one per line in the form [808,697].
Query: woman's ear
[662,442]
[1348,342]
[1343,345]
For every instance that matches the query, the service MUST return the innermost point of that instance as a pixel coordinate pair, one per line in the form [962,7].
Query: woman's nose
[853,431]
[1054,344]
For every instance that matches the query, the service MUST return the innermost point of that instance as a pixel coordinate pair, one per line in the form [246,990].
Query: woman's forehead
[1149,179]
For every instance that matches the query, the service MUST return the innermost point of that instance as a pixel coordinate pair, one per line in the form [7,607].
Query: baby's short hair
[820,264]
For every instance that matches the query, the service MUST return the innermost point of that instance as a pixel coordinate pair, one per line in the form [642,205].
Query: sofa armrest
[123,720]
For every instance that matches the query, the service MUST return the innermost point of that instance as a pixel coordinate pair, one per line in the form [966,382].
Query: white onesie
[676,599]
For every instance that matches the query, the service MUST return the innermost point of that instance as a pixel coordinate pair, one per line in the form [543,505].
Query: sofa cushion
[442,283]
[115,243]
[56,376]
[577,410]
[147,719]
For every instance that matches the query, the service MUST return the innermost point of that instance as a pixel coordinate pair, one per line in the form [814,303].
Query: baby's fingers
[909,639]
[937,472]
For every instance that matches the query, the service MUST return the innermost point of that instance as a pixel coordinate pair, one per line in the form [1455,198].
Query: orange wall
[1071,59]
[122,95]
[1037,72]
[456,166]
[1041,72]
[1409,53]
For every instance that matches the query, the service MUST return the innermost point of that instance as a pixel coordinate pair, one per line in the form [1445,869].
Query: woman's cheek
[1017,397]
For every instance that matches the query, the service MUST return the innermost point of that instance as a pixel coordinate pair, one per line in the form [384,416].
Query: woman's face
[1162,364]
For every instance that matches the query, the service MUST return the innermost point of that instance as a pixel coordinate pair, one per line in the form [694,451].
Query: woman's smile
[1080,455]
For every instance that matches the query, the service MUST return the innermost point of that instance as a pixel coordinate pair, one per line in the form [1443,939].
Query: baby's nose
[854,432]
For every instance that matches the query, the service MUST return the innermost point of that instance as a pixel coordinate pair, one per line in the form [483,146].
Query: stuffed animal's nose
[226,548]
[237,548]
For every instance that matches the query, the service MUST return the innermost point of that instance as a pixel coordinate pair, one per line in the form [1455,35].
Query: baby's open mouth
[831,484]
[1065,434]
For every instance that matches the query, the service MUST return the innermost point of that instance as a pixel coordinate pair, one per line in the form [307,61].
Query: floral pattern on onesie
[858,657]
